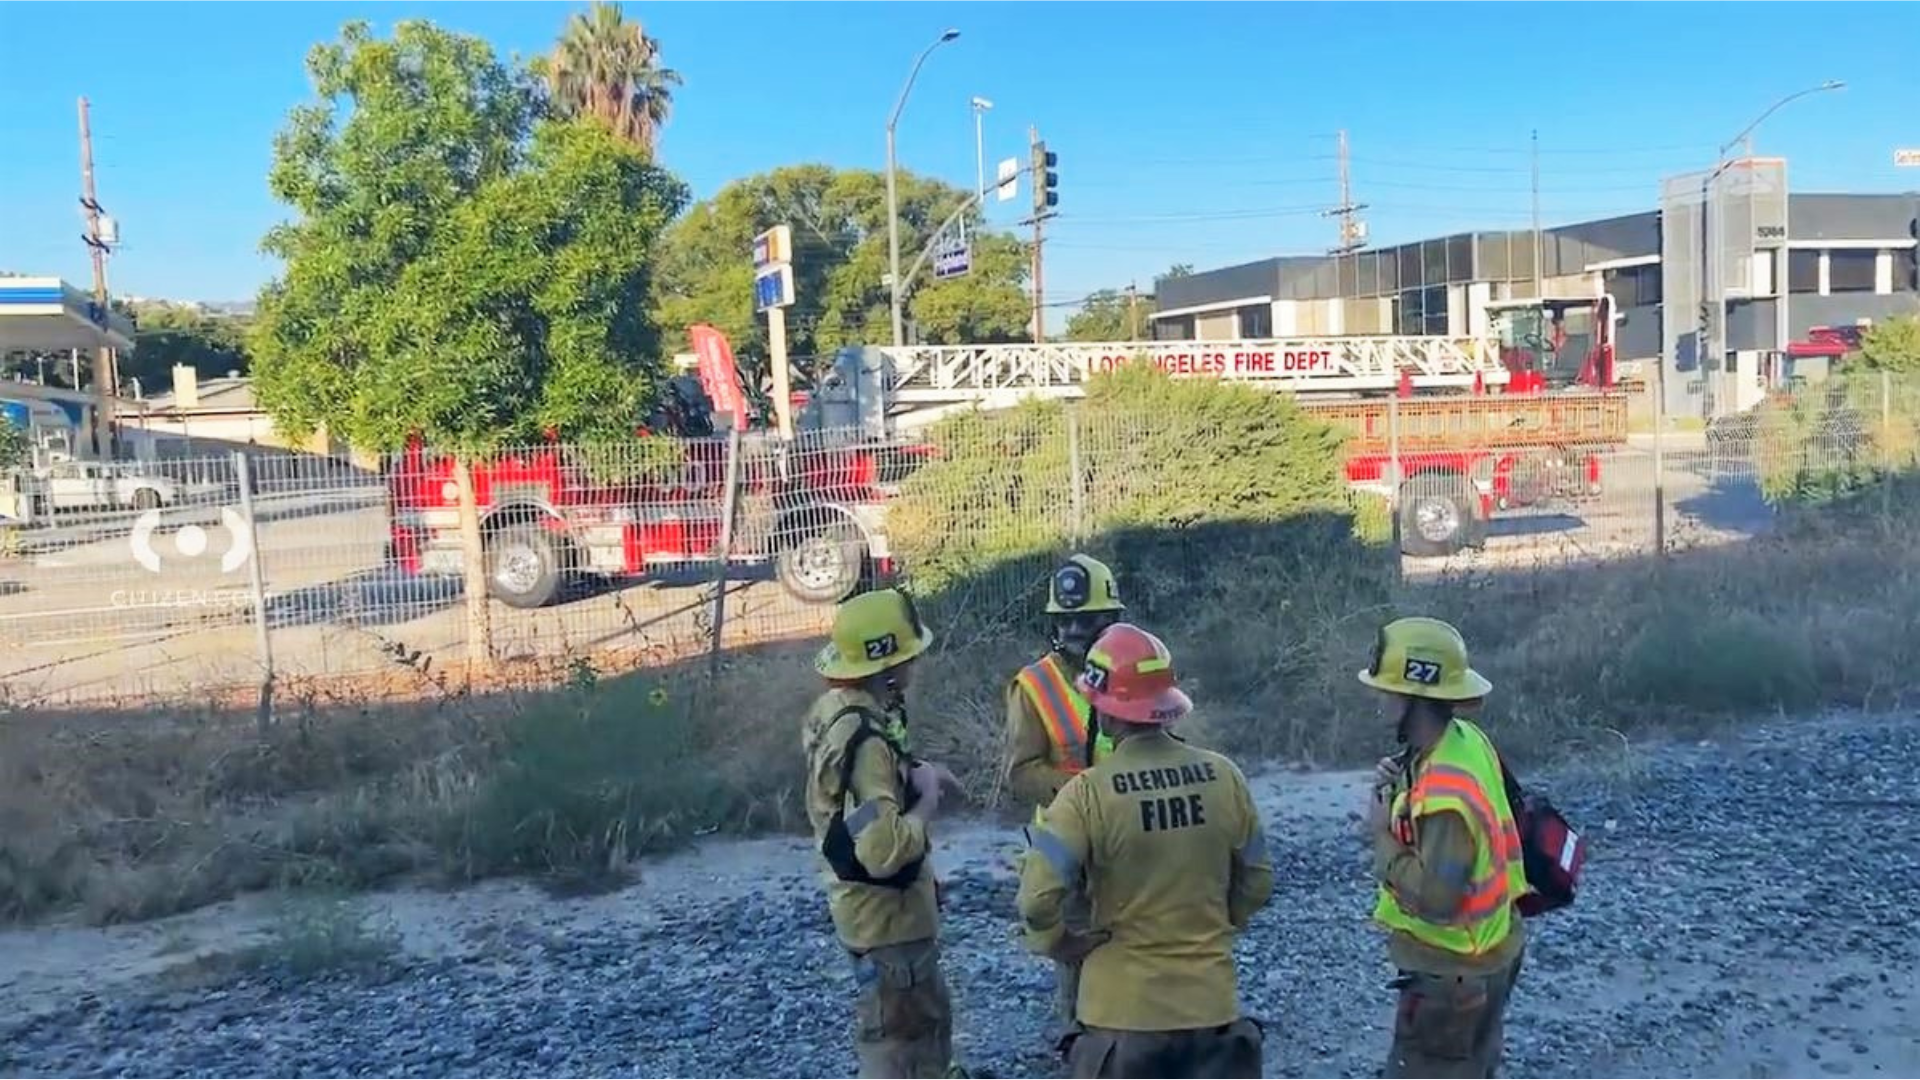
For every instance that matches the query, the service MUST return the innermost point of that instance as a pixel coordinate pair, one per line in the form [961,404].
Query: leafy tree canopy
[16,447]
[839,222]
[608,67]
[169,334]
[459,265]
[1892,345]
[1111,315]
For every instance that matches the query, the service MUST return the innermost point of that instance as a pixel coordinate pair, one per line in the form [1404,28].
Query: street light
[893,205]
[980,107]
[1713,349]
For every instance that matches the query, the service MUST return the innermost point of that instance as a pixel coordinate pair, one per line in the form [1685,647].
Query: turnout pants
[1231,1051]
[903,1017]
[1451,1025]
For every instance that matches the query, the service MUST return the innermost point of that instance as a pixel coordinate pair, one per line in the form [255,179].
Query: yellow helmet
[1426,658]
[872,632]
[1083,583]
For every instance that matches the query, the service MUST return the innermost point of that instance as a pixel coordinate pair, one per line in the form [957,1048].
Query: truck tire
[1439,516]
[824,564]
[523,566]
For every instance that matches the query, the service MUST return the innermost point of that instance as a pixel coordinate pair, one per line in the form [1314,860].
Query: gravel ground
[1748,911]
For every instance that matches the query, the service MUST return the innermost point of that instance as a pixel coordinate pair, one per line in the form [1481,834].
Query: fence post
[1394,482]
[729,508]
[1076,479]
[1660,465]
[1886,442]
[474,577]
[257,581]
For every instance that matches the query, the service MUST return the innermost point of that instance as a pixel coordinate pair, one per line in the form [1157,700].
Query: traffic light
[1046,182]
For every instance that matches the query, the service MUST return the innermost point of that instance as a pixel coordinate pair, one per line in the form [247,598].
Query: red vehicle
[1538,437]
[1492,422]
[812,508]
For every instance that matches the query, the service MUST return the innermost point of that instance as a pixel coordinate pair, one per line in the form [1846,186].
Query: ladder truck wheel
[1439,515]
[523,566]
[823,564]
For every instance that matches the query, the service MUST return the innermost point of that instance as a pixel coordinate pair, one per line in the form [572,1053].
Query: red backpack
[1552,851]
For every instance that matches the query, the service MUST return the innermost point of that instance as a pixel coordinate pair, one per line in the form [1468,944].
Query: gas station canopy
[43,314]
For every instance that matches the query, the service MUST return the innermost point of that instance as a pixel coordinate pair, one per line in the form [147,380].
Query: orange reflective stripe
[1484,895]
[1054,698]
[1447,780]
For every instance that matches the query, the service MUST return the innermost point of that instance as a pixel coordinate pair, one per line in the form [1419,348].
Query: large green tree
[457,266]
[839,222]
[608,67]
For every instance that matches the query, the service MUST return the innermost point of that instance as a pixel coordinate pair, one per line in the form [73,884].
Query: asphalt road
[81,617]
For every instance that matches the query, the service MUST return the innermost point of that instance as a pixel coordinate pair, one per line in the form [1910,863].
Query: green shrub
[1836,439]
[586,779]
[1737,662]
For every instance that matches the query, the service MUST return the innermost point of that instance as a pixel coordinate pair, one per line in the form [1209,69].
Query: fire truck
[1459,429]
[1456,430]
[811,508]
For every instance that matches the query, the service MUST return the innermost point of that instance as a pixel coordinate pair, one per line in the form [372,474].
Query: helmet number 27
[1424,672]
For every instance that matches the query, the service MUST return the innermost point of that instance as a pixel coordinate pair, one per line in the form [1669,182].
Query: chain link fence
[210,577]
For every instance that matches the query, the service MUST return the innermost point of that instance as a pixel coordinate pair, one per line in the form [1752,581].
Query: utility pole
[1538,271]
[1045,198]
[1353,230]
[106,381]
[1133,312]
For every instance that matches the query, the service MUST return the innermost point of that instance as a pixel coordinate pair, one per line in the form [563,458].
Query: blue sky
[1191,132]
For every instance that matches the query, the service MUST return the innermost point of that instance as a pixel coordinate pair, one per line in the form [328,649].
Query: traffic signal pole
[1045,198]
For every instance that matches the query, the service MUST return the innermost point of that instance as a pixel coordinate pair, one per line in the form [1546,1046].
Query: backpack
[1552,852]
[837,845]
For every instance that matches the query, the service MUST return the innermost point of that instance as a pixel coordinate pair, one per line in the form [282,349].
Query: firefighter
[871,802]
[1165,842]
[1048,727]
[1447,856]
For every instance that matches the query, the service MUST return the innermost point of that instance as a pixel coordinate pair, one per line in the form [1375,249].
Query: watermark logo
[190,541]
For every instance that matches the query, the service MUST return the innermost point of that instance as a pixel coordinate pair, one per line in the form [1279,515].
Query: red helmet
[1129,676]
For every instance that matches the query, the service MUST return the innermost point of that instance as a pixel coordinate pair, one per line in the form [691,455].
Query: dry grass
[127,815]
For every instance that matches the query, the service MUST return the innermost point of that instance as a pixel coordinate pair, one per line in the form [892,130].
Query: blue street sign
[953,258]
[773,287]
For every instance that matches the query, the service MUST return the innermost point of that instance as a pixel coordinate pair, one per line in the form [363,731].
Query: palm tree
[608,67]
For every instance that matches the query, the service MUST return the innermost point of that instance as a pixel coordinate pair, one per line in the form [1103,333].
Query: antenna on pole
[1353,230]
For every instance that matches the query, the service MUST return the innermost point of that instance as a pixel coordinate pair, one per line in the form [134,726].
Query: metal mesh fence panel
[195,577]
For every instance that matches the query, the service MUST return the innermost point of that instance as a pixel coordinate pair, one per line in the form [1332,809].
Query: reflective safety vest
[1064,712]
[1462,774]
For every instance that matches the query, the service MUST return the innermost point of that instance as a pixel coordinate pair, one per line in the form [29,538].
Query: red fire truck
[1510,418]
[811,508]
[1476,426]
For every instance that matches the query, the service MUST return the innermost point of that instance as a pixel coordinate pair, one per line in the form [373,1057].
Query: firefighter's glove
[1074,948]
